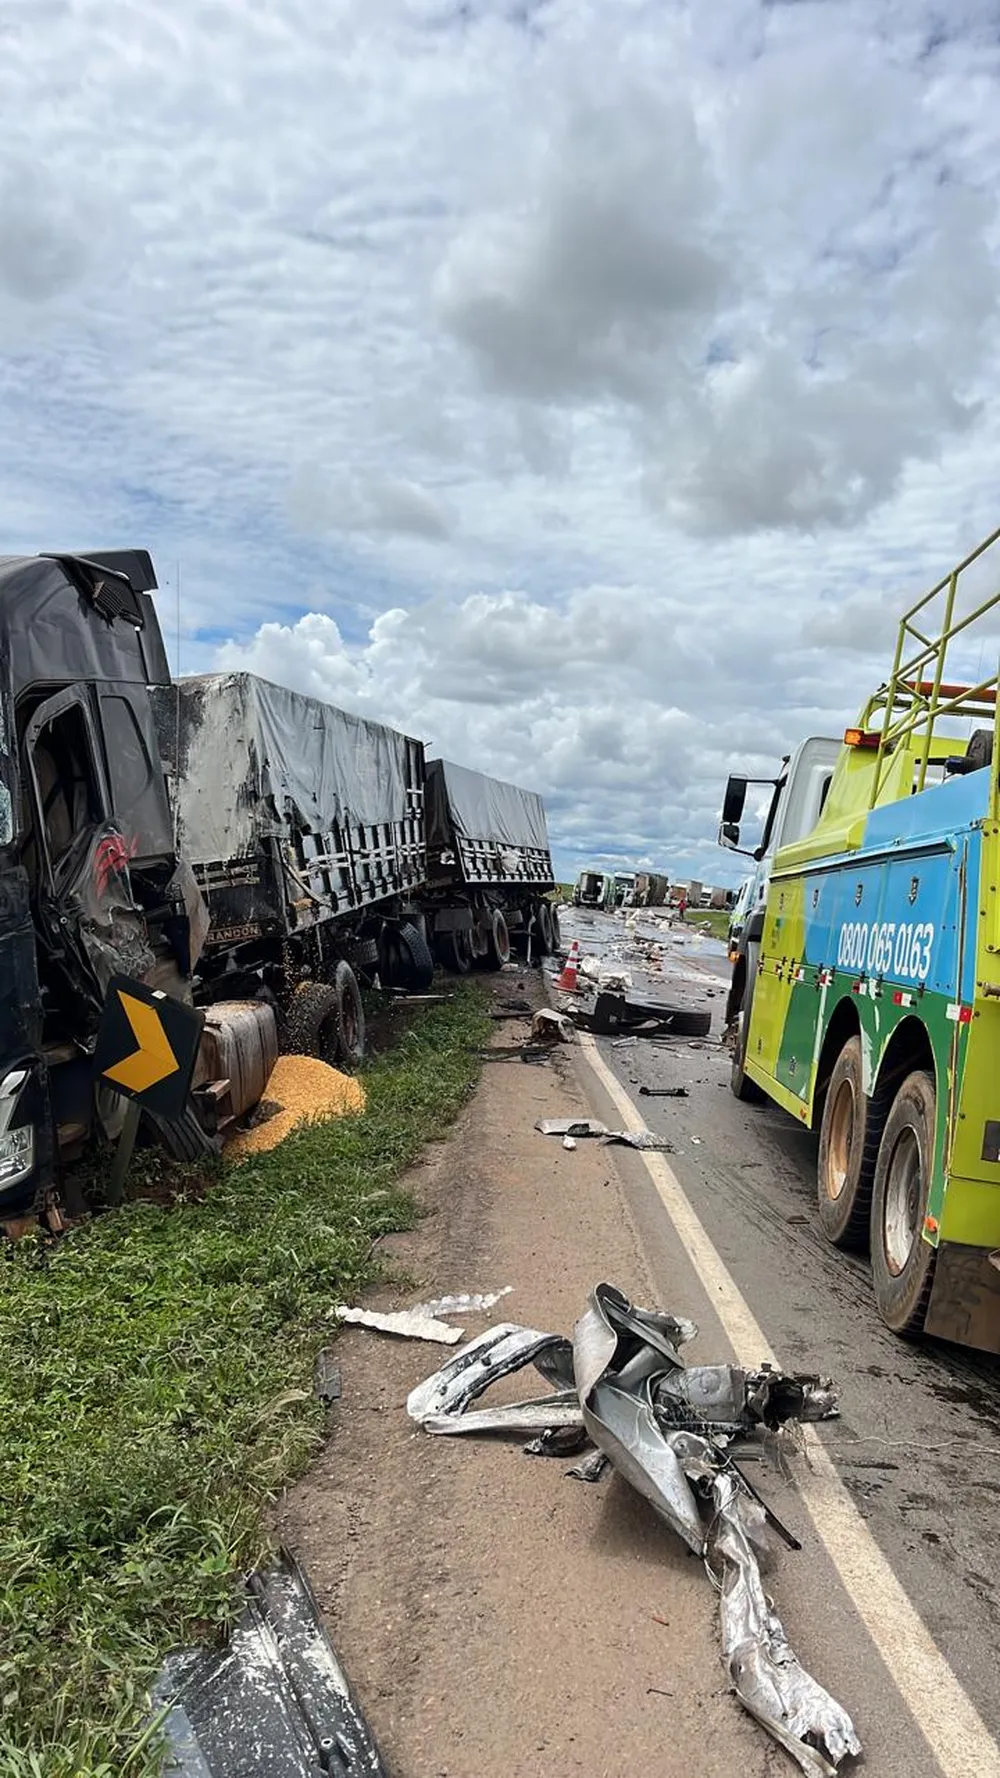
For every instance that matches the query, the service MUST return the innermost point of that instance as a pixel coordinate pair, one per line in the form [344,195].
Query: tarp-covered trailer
[305,828]
[489,867]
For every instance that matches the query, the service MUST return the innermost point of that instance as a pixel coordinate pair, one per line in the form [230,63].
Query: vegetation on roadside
[155,1393]
[716,919]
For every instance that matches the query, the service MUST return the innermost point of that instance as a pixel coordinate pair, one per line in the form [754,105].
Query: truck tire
[498,942]
[849,1136]
[312,1027]
[184,1138]
[351,1017]
[546,931]
[455,952]
[404,959]
[902,1261]
[742,1087]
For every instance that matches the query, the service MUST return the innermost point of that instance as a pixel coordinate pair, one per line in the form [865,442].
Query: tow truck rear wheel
[902,1261]
[742,1086]
[848,1149]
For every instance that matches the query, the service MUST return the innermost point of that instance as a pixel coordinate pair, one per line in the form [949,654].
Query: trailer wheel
[902,1261]
[740,1083]
[312,1027]
[404,959]
[455,952]
[546,931]
[848,1149]
[498,943]
[351,1017]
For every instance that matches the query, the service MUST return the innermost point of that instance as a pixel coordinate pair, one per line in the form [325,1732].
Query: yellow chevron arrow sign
[153,1059]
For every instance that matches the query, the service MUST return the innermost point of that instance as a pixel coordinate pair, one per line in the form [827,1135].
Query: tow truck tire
[312,1027]
[350,1017]
[455,952]
[405,960]
[742,1087]
[546,934]
[848,1150]
[498,943]
[902,1261]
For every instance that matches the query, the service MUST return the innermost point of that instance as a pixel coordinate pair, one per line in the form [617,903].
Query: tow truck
[869,1004]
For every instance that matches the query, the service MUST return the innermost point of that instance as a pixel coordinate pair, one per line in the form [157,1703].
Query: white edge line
[942,1710]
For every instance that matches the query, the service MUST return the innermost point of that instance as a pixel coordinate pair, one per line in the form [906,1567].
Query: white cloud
[581,386]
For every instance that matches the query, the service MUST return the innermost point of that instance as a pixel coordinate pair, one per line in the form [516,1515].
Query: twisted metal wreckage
[620,1393]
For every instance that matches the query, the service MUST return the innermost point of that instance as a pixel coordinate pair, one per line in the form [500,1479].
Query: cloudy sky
[581,385]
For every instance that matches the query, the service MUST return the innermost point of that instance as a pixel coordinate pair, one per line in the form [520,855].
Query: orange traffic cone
[567,980]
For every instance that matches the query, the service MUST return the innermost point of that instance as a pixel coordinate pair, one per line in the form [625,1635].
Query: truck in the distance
[489,869]
[870,1003]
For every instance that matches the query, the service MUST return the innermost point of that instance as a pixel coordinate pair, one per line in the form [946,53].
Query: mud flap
[965,1297]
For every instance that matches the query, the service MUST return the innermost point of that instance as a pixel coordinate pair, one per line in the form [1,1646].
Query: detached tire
[498,943]
[686,1023]
[312,1027]
[351,1018]
[546,930]
[455,951]
[404,959]
[902,1261]
[741,1086]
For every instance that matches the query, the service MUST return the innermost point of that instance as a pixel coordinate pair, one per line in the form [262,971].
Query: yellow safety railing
[916,695]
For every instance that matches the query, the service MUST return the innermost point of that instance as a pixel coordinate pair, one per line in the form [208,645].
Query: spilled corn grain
[305,1089]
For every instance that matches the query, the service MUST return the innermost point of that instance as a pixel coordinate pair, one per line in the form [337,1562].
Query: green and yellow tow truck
[870,1007]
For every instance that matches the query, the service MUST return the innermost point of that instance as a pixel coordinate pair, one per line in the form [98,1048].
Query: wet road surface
[918,1444]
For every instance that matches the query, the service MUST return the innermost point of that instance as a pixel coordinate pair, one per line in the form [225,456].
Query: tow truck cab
[798,795]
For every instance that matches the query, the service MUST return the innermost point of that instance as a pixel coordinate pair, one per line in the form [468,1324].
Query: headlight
[17,1154]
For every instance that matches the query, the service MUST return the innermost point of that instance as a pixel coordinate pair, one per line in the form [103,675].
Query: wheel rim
[841,1141]
[903,1197]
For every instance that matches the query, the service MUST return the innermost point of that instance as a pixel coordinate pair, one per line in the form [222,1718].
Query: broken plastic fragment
[571,1126]
[467,1303]
[408,1324]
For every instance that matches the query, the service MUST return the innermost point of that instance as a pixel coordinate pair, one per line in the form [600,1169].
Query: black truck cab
[90,883]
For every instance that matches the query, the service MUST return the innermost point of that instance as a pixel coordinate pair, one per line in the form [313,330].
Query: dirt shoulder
[498,1619]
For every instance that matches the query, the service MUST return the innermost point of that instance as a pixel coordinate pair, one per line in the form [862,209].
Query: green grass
[716,918]
[155,1394]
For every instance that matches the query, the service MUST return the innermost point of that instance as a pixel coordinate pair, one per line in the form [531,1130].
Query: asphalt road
[917,1448]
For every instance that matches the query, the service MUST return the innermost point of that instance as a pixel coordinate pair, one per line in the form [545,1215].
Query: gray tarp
[475,807]
[254,758]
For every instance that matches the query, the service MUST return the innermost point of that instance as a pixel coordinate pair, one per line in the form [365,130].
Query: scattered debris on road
[328,1384]
[573,1127]
[467,1302]
[667,1428]
[406,1324]
[273,1699]
[664,1092]
[549,1026]
[612,1015]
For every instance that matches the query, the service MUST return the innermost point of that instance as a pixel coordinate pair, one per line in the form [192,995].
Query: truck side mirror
[733,806]
[729,835]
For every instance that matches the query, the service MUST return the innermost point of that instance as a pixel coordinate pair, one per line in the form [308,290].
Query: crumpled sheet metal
[438,1403]
[627,1365]
[767,1678]
[667,1429]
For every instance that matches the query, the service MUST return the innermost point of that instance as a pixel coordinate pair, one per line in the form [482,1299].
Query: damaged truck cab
[90,884]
